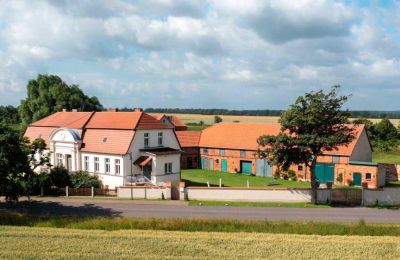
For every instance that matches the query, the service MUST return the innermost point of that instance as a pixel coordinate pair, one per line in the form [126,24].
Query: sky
[204,54]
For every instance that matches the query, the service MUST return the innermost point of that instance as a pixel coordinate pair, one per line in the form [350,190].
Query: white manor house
[122,148]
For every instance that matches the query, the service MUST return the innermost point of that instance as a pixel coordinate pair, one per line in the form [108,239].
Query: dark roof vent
[104,139]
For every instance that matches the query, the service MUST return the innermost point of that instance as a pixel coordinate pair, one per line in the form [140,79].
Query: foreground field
[22,242]
[199,177]
[386,157]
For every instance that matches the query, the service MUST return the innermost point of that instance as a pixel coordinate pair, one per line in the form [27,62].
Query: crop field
[209,119]
[51,243]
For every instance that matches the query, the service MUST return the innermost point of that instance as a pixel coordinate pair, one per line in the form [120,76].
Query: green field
[198,177]
[50,243]
[386,157]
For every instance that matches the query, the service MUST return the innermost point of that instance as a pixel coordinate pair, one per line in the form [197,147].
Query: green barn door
[319,172]
[329,173]
[357,179]
[224,166]
[246,167]
[324,172]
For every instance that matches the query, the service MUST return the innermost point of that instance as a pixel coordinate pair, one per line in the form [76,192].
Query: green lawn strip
[386,157]
[198,177]
[256,204]
[203,225]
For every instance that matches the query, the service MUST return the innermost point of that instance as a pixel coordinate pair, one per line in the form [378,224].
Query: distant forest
[266,112]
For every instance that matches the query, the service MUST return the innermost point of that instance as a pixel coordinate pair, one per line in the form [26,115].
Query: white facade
[65,147]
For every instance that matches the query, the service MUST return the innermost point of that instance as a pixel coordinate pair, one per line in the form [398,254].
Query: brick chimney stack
[64,110]
[74,110]
[138,109]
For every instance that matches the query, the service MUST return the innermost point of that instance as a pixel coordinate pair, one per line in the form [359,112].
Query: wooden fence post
[92,192]
[208,184]
[66,191]
[220,182]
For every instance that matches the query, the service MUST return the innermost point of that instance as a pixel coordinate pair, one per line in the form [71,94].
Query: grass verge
[256,204]
[50,243]
[201,225]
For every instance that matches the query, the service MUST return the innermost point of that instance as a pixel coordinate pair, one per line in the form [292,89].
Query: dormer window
[146,140]
[160,139]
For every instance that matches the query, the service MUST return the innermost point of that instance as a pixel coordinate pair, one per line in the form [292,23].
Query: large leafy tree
[313,124]
[48,94]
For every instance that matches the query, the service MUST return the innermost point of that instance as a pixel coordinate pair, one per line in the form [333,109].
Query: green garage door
[324,172]
[245,167]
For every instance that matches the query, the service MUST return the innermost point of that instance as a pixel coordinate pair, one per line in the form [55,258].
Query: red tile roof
[65,119]
[107,141]
[189,138]
[33,132]
[244,136]
[149,122]
[174,120]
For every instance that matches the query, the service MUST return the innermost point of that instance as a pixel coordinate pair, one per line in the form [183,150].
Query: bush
[339,178]
[292,175]
[277,174]
[82,179]
[349,182]
[60,177]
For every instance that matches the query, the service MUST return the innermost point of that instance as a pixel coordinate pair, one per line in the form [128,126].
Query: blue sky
[204,54]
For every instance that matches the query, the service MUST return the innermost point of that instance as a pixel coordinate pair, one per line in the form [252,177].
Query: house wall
[194,154]
[112,179]
[231,156]
[362,151]
[62,141]
[142,192]
[348,169]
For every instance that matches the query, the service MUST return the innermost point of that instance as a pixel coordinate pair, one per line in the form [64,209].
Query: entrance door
[324,172]
[204,163]
[147,172]
[211,164]
[245,167]
[357,179]
[224,166]
[68,159]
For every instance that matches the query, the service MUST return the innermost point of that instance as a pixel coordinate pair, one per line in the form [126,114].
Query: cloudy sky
[204,54]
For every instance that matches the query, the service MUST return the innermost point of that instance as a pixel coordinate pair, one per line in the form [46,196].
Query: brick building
[189,141]
[232,147]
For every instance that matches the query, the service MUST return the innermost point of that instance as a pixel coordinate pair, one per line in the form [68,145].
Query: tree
[385,135]
[9,115]
[82,179]
[48,94]
[14,164]
[313,124]
[59,177]
[38,155]
[217,119]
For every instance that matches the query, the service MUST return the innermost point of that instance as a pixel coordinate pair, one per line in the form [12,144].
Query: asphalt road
[107,207]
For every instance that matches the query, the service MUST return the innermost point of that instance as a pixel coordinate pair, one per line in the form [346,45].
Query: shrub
[285,176]
[59,177]
[292,175]
[277,174]
[339,178]
[82,179]
[349,182]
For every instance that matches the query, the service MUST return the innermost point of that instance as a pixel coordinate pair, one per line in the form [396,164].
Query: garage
[324,172]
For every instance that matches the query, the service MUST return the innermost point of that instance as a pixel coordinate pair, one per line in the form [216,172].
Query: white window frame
[168,168]
[146,140]
[60,159]
[107,166]
[86,163]
[96,164]
[117,166]
[160,138]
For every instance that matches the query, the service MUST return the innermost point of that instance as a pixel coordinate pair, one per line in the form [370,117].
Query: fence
[384,196]
[144,192]
[67,191]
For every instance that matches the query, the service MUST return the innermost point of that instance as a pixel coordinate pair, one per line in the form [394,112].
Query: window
[86,163]
[205,150]
[60,158]
[160,136]
[96,164]
[168,168]
[107,165]
[222,152]
[368,176]
[300,168]
[242,153]
[146,139]
[335,159]
[117,166]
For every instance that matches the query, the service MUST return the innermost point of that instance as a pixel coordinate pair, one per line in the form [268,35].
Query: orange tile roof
[33,132]
[107,141]
[124,120]
[175,120]
[244,136]
[188,138]
[65,119]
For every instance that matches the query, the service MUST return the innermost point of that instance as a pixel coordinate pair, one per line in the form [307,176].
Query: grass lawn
[198,177]
[386,157]
[256,204]
[51,243]
[197,127]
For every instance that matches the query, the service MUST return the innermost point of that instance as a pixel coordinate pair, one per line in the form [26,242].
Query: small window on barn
[335,159]
[205,151]
[146,140]
[242,153]
[300,168]
[368,176]
[104,139]
[222,152]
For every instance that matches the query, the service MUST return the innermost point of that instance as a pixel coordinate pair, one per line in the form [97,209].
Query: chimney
[138,109]
[112,110]
[74,110]
[64,110]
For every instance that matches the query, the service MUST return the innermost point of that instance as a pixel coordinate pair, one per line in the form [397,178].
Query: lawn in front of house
[199,177]
[386,157]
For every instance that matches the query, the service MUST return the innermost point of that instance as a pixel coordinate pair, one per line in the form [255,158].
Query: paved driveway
[112,207]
